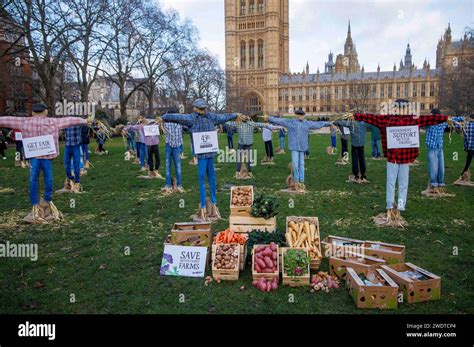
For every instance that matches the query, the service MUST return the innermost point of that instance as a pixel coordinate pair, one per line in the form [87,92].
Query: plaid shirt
[468,133]
[39,126]
[298,131]
[435,135]
[245,130]
[198,123]
[399,155]
[174,134]
[73,135]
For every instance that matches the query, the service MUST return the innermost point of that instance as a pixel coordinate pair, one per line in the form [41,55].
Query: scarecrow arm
[318,125]
[183,119]
[378,120]
[280,121]
[67,122]
[222,118]
[262,125]
[431,120]
[11,122]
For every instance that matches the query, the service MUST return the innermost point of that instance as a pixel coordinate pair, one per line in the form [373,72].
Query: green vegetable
[257,237]
[265,206]
[296,262]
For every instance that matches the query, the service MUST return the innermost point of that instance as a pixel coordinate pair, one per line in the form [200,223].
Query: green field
[118,210]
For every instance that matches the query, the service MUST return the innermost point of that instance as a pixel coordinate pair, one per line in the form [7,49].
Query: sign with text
[403,137]
[39,146]
[18,136]
[151,130]
[346,130]
[205,142]
[185,261]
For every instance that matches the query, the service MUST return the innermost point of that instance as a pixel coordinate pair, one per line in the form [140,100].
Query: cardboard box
[226,274]
[338,266]
[315,262]
[414,290]
[257,275]
[191,234]
[333,245]
[367,296]
[294,281]
[240,210]
[392,253]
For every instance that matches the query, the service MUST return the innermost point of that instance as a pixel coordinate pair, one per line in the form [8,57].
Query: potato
[268,262]
[261,263]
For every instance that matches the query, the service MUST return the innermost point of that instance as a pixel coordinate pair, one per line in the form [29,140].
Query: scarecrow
[298,132]
[202,125]
[398,159]
[245,128]
[174,144]
[434,143]
[281,137]
[72,154]
[332,150]
[467,126]
[41,127]
[358,136]
[85,141]
[345,132]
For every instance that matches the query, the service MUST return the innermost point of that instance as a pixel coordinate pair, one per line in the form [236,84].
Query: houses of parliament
[259,79]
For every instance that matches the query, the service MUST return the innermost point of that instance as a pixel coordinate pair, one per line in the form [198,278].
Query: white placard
[18,136]
[39,146]
[185,261]
[151,130]
[205,142]
[346,131]
[403,137]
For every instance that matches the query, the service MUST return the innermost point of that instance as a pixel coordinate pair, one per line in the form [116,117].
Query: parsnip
[288,239]
[293,225]
[301,240]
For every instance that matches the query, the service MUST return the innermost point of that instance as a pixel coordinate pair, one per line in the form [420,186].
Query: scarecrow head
[39,110]
[199,106]
[300,115]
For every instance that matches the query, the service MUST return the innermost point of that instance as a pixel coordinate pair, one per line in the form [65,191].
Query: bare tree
[456,88]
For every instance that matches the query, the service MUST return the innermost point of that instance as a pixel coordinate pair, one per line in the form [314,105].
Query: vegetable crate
[256,275]
[392,253]
[365,296]
[359,262]
[294,281]
[225,274]
[191,234]
[243,255]
[415,290]
[245,224]
[334,246]
[240,210]
[313,245]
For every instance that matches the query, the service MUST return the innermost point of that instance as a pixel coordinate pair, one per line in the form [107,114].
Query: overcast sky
[381,29]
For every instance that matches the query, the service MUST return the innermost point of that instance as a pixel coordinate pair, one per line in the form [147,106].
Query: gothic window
[251,53]
[300,94]
[315,95]
[251,6]
[389,93]
[260,6]
[344,92]
[243,54]
[398,91]
[307,93]
[243,7]
[260,53]
[415,90]
[405,90]
[336,92]
[432,88]
[382,91]
[423,89]
[293,94]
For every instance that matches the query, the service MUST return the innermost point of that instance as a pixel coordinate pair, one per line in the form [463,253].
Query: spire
[349,29]
[307,67]
[378,67]
[349,45]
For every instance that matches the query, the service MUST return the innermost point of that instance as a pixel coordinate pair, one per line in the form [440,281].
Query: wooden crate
[331,245]
[257,275]
[293,281]
[381,297]
[242,258]
[392,253]
[192,234]
[226,274]
[359,262]
[415,290]
[240,210]
[315,263]
[243,224]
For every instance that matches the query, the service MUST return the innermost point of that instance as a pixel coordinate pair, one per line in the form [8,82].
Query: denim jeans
[282,142]
[206,167]
[376,149]
[400,171]
[436,167]
[73,153]
[85,151]
[46,165]
[172,155]
[143,153]
[230,141]
[19,149]
[244,150]
[333,141]
[130,144]
[297,161]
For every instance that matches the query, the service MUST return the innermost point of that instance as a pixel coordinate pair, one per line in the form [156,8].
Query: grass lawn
[118,211]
